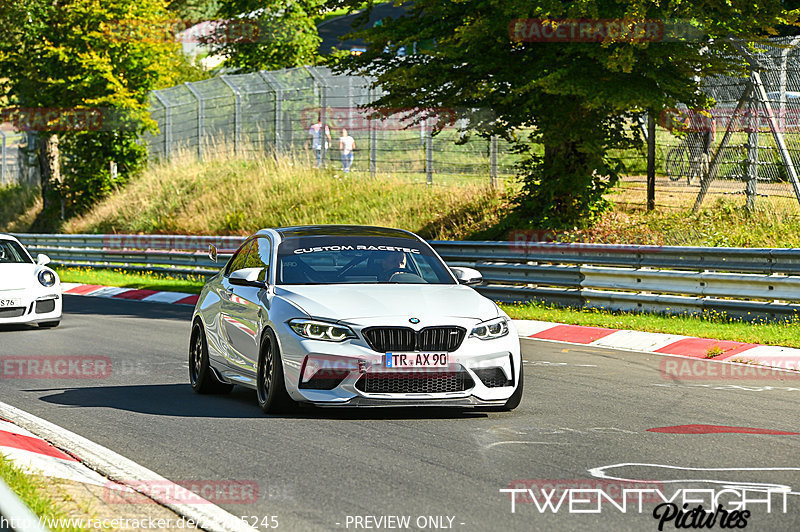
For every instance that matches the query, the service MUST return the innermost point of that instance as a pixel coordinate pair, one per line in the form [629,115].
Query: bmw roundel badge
[414,320]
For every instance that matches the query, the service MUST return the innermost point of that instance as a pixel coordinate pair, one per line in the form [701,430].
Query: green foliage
[85,54]
[87,174]
[578,97]
[193,10]
[285,34]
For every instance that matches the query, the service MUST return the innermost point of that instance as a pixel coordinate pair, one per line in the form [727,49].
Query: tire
[201,376]
[50,324]
[516,398]
[270,385]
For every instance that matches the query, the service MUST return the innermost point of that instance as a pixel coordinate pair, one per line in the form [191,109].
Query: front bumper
[44,306]
[466,402]
[354,361]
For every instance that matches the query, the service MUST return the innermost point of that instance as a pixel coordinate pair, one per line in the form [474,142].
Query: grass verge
[239,195]
[147,281]
[18,207]
[784,333]
[32,490]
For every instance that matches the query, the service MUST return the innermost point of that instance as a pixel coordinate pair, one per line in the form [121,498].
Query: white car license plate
[416,360]
[10,303]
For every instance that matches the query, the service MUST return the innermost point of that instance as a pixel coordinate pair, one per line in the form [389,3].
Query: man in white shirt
[347,144]
[315,139]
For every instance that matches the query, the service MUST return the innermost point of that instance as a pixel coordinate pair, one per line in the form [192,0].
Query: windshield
[359,260]
[11,252]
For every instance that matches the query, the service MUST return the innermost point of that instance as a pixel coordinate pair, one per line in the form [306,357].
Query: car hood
[351,302]
[17,276]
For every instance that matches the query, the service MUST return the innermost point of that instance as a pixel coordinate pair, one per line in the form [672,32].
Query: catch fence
[745,148]
[274,112]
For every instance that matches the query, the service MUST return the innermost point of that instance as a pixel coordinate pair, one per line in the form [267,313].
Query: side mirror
[212,253]
[42,259]
[467,276]
[247,277]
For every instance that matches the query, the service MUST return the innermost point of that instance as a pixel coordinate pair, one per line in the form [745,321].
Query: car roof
[342,230]
[4,236]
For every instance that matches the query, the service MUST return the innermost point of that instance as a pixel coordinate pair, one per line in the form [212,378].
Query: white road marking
[524,442]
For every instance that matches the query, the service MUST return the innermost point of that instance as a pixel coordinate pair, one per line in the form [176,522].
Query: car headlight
[321,330]
[489,330]
[47,278]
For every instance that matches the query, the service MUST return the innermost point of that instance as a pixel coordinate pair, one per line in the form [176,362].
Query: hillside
[240,196]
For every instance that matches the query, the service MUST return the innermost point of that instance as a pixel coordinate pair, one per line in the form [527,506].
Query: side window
[265,256]
[238,261]
[258,256]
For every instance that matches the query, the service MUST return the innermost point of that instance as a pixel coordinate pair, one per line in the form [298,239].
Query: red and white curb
[662,344]
[132,294]
[35,455]
[656,343]
[24,438]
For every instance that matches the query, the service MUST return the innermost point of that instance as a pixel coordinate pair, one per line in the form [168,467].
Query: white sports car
[351,316]
[30,292]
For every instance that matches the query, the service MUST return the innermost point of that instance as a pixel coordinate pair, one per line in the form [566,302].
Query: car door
[244,311]
[225,292]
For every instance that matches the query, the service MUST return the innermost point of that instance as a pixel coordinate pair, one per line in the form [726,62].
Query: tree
[267,34]
[576,98]
[193,10]
[80,72]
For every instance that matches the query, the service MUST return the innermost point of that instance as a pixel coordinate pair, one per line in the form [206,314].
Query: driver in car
[391,262]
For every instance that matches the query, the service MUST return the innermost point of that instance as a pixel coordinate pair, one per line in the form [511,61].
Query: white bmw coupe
[351,316]
[30,292]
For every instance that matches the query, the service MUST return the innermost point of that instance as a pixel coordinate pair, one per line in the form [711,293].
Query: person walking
[347,144]
[315,139]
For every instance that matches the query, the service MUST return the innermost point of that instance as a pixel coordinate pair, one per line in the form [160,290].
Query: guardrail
[749,283]
[178,254]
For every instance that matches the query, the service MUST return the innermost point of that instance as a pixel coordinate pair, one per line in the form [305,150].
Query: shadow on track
[20,327]
[121,307]
[178,400]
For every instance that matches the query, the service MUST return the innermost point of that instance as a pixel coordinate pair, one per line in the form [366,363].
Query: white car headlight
[320,330]
[47,278]
[489,330]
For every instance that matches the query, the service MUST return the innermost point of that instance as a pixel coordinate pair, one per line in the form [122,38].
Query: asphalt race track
[585,411]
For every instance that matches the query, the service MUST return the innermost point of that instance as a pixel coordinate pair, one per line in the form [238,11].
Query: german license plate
[10,303]
[416,360]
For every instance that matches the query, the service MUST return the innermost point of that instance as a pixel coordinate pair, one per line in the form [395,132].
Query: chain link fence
[745,148]
[277,112]
[17,164]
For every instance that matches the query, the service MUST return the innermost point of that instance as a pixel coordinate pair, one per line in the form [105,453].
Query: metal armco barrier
[179,254]
[749,283]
